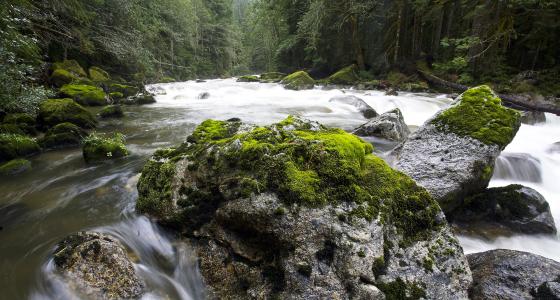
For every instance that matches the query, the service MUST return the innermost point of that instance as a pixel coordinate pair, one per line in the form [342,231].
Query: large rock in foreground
[508,274]
[299,211]
[453,154]
[97,266]
[389,125]
[505,211]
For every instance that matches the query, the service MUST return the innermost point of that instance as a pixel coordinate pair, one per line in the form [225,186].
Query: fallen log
[518,101]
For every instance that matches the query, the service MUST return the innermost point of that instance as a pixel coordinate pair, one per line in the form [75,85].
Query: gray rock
[508,274]
[549,290]
[367,111]
[391,92]
[532,117]
[97,266]
[204,95]
[389,125]
[453,164]
[504,211]
[519,167]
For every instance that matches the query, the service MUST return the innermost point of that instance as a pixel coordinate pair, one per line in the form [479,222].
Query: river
[63,195]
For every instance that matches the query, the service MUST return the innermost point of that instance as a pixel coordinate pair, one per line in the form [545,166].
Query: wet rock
[204,95]
[140,99]
[508,274]
[97,266]
[17,146]
[295,210]
[532,117]
[111,111]
[15,166]
[200,81]
[389,125]
[298,81]
[505,211]
[64,135]
[126,90]
[367,111]
[519,167]
[86,95]
[554,148]
[248,78]
[391,92]
[99,148]
[453,154]
[56,111]
[272,77]
[549,290]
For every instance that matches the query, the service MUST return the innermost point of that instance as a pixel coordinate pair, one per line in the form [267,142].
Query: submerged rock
[532,117]
[508,274]
[346,76]
[84,94]
[298,81]
[111,111]
[56,111]
[15,166]
[389,125]
[203,96]
[64,135]
[505,211]
[297,210]
[97,266]
[367,111]
[98,148]
[453,154]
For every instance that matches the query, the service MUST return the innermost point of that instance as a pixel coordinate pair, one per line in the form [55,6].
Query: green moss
[11,129]
[272,76]
[298,81]
[56,111]
[63,135]
[61,77]
[14,146]
[400,290]
[112,111]
[15,166]
[346,76]
[154,189]
[99,148]
[116,95]
[379,266]
[480,115]
[25,122]
[167,79]
[126,90]
[428,264]
[248,78]
[98,75]
[84,94]
[307,164]
[395,78]
[71,66]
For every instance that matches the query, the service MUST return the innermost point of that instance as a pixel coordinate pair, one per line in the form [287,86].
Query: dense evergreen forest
[511,44]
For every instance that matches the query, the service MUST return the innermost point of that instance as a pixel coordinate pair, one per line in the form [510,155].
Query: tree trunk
[357,44]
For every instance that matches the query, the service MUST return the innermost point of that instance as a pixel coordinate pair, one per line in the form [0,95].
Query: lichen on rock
[296,200]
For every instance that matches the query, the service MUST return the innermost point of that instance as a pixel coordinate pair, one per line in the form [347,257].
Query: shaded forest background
[465,41]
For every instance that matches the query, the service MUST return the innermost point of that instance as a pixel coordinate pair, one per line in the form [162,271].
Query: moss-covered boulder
[346,76]
[11,129]
[66,72]
[15,166]
[98,75]
[111,111]
[298,81]
[87,95]
[139,99]
[64,135]
[125,90]
[14,146]
[56,111]
[272,77]
[248,78]
[453,154]
[117,96]
[99,148]
[313,198]
[25,122]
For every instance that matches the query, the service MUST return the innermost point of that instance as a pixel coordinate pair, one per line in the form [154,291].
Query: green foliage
[56,111]
[480,115]
[98,148]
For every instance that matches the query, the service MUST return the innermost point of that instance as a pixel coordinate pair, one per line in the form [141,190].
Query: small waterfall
[519,167]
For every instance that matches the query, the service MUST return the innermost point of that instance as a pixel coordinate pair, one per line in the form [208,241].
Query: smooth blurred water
[63,195]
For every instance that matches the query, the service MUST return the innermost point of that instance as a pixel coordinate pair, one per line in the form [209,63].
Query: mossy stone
[480,115]
[14,146]
[116,95]
[346,76]
[25,122]
[63,135]
[15,166]
[111,111]
[248,78]
[71,66]
[84,94]
[61,77]
[99,148]
[56,111]
[272,76]
[98,75]
[298,81]
[126,90]
[11,129]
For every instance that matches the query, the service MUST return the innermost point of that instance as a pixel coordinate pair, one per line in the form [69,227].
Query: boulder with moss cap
[87,95]
[64,135]
[56,111]
[14,146]
[346,76]
[298,210]
[111,111]
[98,148]
[453,154]
[98,75]
[272,77]
[66,72]
[24,121]
[298,81]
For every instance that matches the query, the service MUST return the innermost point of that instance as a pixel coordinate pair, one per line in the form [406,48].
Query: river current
[63,195]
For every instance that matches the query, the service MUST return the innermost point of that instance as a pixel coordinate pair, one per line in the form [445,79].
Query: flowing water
[63,195]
